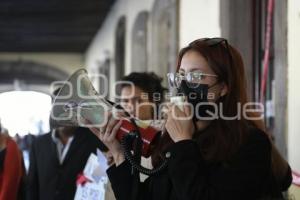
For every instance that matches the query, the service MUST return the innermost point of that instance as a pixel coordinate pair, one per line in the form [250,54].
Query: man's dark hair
[149,82]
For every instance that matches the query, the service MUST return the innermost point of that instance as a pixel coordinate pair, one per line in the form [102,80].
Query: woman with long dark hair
[215,145]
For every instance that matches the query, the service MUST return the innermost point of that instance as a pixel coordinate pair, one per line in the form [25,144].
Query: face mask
[197,93]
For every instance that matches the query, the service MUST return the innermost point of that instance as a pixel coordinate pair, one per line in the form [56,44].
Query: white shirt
[62,149]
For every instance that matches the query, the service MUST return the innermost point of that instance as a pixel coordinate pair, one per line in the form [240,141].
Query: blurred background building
[45,41]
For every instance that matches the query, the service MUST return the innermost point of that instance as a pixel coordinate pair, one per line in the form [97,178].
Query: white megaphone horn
[77,103]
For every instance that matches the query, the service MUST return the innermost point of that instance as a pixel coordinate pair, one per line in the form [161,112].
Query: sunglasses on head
[215,42]
[211,41]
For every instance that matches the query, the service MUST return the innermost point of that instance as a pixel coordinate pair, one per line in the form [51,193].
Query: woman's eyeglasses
[193,79]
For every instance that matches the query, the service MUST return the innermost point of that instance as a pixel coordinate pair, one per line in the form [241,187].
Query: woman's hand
[107,134]
[179,123]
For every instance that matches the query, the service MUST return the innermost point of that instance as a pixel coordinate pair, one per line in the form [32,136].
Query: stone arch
[120,47]
[29,75]
[164,39]
[139,57]
[104,68]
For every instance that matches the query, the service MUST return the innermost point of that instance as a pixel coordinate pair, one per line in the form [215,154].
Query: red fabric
[82,179]
[11,175]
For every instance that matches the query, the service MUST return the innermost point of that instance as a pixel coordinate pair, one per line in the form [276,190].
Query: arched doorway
[164,40]
[28,75]
[120,46]
[139,59]
[26,84]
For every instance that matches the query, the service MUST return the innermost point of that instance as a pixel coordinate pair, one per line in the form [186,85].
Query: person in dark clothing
[56,159]
[216,147]
[141,94]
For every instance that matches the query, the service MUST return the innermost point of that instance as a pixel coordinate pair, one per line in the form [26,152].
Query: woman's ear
[224,90]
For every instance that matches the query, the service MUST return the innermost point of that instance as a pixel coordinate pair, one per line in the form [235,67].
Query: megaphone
[77,99]
[79,104]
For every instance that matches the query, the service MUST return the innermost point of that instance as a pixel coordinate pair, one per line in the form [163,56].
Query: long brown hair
[222,138]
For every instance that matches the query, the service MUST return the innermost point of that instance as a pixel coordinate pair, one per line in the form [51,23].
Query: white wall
[198,19]
[294,90]
[293,83]
[67,62]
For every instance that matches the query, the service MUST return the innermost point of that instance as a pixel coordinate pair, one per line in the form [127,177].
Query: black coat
[189,177]
[47,178]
